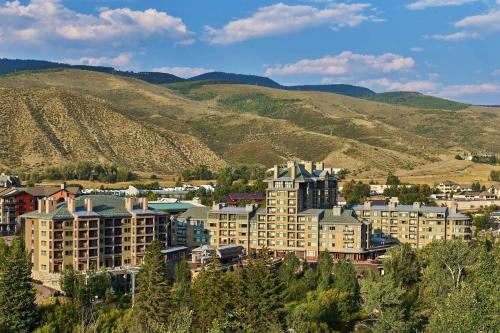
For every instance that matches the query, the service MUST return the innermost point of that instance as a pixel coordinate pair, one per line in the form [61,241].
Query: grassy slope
[416,100]
[254,124]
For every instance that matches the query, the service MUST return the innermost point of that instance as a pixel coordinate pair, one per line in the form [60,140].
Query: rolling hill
[160,129]
[416,100]
[411,99]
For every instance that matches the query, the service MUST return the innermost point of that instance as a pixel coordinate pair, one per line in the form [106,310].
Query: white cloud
[185,72]
[417,49]
[49,21]
[119,61]
[390,85]
[470,89]
[345,63]
[281,19]
[455,36]
[423,4]
[489,22]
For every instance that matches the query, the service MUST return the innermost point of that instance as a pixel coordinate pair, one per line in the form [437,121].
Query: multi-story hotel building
[300,216]
[415,224]
[90,232]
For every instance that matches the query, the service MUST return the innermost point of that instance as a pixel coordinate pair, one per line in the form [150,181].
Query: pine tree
[209,297]
[69,282]
[182,284]
[345,277]
[152,300]
[18,311]
[289,269]
[262,293]
[325,266]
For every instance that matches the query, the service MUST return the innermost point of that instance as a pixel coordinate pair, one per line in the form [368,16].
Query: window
[44,233]
[44,267]
[44,252]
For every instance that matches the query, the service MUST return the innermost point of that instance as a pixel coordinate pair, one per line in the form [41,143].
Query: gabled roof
[47,191]
[301,174]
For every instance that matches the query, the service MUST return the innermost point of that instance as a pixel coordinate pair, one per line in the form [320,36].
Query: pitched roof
[9,191]
[103,205]
[199,213]
[47,191]
[346,217]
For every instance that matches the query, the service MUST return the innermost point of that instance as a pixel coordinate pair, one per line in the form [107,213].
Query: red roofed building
[236,198]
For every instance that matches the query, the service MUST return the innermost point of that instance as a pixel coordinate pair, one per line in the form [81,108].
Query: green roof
[347,216]
[199,213]
[103,205]
[171,207]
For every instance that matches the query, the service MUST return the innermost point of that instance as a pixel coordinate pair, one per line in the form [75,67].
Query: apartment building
[189,228]
[13,203]
[90,232]
[415,224]
[300,216]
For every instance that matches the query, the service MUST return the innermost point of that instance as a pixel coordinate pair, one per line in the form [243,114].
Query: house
[56,193]
[448,187]
[236,198]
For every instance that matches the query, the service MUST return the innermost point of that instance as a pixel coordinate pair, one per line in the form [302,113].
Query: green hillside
[219,123]
[416,100]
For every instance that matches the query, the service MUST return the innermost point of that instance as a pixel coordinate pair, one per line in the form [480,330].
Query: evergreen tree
[209,297]
[402,266]
[289,269]
[152,300]
[262,296]
[69,282]
[325,266]
[4,251]
[345,277]
[181,289]
[18,311]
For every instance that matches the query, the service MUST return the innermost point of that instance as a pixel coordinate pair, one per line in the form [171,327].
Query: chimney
[49,205]
[454,208]
[320,166]
[71,204]
[337,210]
[392,204]
[416,205]
[276,172]
[144,203]
[308,165]
[129,203]
[63,186]
[291,166]
[217,206]
[367,205]
[41,205]
[249,208]
[89,205]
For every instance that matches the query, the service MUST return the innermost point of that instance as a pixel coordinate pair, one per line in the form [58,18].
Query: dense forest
[448,286]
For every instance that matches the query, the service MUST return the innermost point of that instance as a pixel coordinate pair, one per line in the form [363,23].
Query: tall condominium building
[415,224]
[90,232]
[300,216]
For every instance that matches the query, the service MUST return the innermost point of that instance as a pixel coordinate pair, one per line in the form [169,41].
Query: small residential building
[13,203]
[237,198]
[56,193]
[90,232]
[448,187]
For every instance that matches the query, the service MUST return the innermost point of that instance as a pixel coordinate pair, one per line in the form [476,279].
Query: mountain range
[58,115]
[413,99]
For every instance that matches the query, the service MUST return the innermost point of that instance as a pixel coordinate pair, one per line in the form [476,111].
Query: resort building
[13,203]
[300,216]
[415,224]
[90,232]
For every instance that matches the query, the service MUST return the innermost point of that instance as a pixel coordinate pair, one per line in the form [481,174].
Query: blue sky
[449,48]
